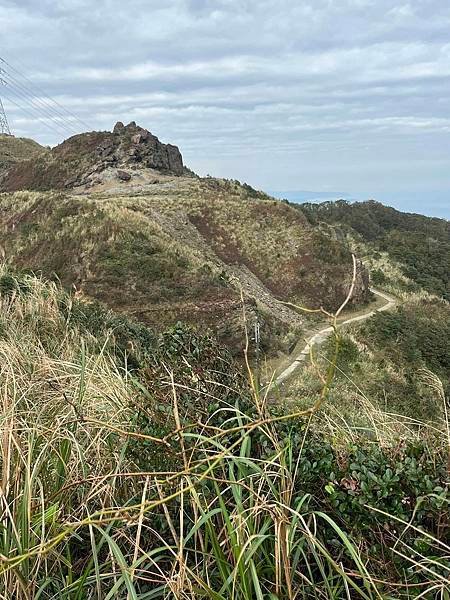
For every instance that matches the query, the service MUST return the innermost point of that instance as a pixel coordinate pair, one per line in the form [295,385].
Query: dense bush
[200,374]
[414,333]
[385,361]
[10,285]
[171,479]
[402,481]
[377,277]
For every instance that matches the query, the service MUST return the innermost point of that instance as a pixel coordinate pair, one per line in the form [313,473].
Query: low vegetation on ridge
[14,150]
[419,244]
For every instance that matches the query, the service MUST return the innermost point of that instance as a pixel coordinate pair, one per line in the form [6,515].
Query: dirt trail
[323,334]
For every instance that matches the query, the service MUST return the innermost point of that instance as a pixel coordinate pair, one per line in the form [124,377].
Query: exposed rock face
[118,127]
[80,160]
[361,290]
[139,146]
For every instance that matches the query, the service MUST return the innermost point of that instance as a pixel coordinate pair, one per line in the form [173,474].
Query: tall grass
[233,519]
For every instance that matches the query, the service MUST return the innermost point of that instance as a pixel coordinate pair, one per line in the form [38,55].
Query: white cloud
[401,12]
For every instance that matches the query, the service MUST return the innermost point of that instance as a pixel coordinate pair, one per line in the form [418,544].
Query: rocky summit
[89,159]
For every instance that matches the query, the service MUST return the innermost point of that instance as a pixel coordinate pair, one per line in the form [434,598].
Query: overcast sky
[345,96]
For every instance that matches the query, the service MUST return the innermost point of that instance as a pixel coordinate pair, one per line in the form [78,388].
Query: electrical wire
[45,95]
[37,102]
[31,115]
[32,105]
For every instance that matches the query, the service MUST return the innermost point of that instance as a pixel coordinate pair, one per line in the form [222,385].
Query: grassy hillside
[14,150]
[138,465]
[419,244]
[180,250]
[139,459]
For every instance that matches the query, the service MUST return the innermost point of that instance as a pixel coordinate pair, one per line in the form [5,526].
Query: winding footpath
[323,334]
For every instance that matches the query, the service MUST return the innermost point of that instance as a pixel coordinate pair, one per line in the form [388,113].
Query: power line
[38,113]
[37,110]
[45,95]
[31,115]
[22,92]
[30,97]
[42,103]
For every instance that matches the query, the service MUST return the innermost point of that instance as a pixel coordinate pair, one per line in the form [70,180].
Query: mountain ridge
[419,244]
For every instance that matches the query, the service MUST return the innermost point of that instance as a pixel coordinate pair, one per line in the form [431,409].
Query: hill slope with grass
[183,248]
[419,245]
[386,369]
[118,216]
[14,150]
[387,364]
[139,459]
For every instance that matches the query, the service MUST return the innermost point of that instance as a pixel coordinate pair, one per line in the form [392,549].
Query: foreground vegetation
[139,465]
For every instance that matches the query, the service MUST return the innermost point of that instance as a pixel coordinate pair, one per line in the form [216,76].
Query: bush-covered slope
[392,363]
[417,333]
[421,245]
[47,331]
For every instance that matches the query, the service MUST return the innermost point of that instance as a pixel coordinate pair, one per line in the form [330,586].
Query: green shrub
[10,285]
[378,277]
[418,333]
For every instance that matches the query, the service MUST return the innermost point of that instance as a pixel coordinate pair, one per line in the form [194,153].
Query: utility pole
[4,126]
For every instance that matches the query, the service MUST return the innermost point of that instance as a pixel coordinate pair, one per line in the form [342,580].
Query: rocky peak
[131,146]
[86,159]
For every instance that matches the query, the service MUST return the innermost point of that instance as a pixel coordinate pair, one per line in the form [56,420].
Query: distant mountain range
[432,203]
[308,196]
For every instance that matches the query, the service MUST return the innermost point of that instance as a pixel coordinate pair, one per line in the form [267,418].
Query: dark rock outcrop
[139,146]
[123,175]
